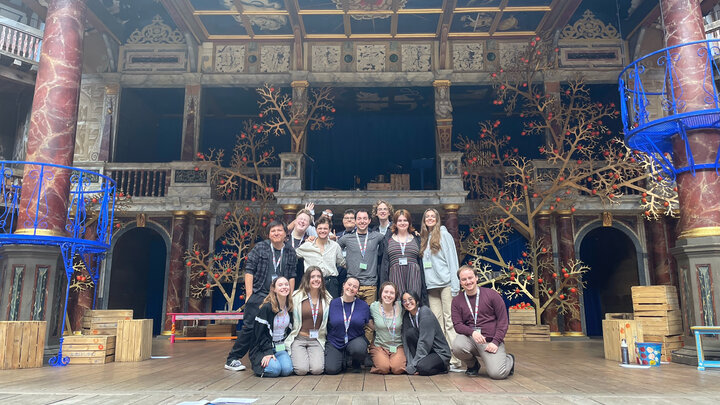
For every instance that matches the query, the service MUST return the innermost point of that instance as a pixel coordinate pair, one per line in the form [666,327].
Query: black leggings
[431,364]
[335,358]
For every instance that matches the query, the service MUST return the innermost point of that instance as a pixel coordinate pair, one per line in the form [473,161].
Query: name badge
[346,339]
[314,333]
[363,266]
[392,349]
[280,347]
[274,276]
[344,253]
[403,261]
[427,264]
[477,330]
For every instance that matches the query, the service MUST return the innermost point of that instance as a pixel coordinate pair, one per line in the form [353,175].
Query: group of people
[418,321]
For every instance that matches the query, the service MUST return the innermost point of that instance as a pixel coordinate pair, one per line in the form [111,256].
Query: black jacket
[263,337]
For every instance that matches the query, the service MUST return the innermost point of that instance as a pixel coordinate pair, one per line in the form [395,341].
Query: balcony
[20,44]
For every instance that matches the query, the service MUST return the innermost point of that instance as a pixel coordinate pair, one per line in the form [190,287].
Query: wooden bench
[201,316]
[704,330]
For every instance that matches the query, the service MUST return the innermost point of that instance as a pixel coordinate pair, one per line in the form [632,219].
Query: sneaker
[234,365]
[512,370]
[473,371]
[456,369]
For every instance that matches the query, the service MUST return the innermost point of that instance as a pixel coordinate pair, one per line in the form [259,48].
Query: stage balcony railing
[20,41]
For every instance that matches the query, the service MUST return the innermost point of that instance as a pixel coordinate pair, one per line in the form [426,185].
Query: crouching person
[481,322]
[272,325]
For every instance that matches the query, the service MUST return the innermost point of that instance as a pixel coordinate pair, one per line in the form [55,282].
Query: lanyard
[402,245]
[276,263]
[475,312]
[415,324]
[363,247]
[346,319]
[385,319]
[292,241]
[280,318]
[314,309]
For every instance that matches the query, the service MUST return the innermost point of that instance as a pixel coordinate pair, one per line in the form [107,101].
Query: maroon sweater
[492,317]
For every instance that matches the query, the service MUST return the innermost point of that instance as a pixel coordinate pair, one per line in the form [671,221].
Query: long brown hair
[406,214]
[305,282]
[272,297]
[433,235]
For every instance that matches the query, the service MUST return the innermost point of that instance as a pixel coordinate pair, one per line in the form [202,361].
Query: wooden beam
[17,76]
[559,16]
[178,11]
[98,17]
[245,19]
[498,17]
[37,8]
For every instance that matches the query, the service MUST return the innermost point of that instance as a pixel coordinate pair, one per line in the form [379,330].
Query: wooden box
[669,344]
[378,186]
[84,349]
[660,323]
[219,330]
[134,340]
[104,321]
[515,333]
[654,298]
[22,344]
[522,316]
[539,333]
[619,315]
[400,182]
[614,331]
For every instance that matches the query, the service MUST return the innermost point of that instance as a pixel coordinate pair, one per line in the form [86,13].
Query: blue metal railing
[654,102]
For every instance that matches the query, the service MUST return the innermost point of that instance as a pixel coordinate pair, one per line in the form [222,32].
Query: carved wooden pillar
[176,277]
[443,116]
[300,105]
[109,121]
[201,238]
[566,253]
[191,122]
[543,231]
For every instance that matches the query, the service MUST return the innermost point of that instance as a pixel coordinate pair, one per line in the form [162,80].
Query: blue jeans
[281,365]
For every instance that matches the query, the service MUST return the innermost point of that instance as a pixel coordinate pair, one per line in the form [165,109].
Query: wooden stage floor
[546,373]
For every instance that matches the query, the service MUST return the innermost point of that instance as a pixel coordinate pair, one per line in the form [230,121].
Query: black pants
[431,364]
[332,285]
[246,336]
[335,358]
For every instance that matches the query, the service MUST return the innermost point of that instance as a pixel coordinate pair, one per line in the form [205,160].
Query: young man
[383,210]
[348,222]
[268,260]
[362,249]
[481,321]
[325,254]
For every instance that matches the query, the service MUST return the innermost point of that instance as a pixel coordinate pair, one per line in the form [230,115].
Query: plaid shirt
[260,265]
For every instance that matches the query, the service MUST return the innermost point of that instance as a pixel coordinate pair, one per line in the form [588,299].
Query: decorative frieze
[416,58]
[230,58]
[371,58]
[325,58]
[275,58]
[468,56]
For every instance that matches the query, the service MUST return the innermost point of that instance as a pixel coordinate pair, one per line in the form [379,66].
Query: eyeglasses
[408,301]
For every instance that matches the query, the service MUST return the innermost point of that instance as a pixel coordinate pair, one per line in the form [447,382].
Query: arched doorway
[137,276]
[613,261]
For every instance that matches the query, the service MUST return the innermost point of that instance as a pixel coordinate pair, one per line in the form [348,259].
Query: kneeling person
[269,356]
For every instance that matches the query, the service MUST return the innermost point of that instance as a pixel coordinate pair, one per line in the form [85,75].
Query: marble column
[543,230]
[51,137]
[663,269]
[451,222]
[176,276]
[289,212]
[201,238]
[566,253]
[109,121]
[191,122]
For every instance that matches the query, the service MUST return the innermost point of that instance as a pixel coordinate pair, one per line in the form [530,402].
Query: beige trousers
[498,364]
[440,305]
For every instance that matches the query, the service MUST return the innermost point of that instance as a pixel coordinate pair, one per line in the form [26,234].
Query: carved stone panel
[416,58]
[371,58]
[230,58]
[275,58]
[509,52]
[468,56]
[90,117]
[326,58]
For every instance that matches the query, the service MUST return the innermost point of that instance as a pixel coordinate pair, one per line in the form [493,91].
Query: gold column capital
[300,83]
[700,232]
[441,83]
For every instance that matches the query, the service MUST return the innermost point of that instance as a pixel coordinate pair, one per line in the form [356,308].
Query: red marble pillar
[176,276]
[451,222]
[543,231]
[699,193]
[191,122]
[566,253]
[663,269]
[289,212]
[51,137]
[201,238]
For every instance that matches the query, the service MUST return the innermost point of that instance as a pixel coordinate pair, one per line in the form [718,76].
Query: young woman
[402,261]
[346,329]
[387,350]
[440,265]
[307,338]
[426,349]
[325,254]
[272,325]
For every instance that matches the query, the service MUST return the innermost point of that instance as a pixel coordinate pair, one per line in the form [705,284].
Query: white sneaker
[234,365]
[455,369]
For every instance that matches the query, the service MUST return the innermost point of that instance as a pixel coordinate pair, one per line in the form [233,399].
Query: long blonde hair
[432,235]
[272,297]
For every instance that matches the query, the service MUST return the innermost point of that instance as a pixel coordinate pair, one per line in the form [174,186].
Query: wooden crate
[400,182]
[134,340]
[522,316]
[515,333]
[614,331]
[669,344]
[97,349]
[619,315]
[540,333]
[654,298]
[215,330]
[378,186]
[103,321]
[22,344]
[660,323]
[194,331]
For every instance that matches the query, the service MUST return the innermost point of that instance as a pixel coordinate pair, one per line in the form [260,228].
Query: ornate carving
[468,56]
[371,58]
[156,32]
[365,5]
[443,107]
[191,176]
[268,22]
[275,58]
[509,52]
[230,58]
[589,27]
[416,58]
[443,140]
[326,58]
[90,117]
